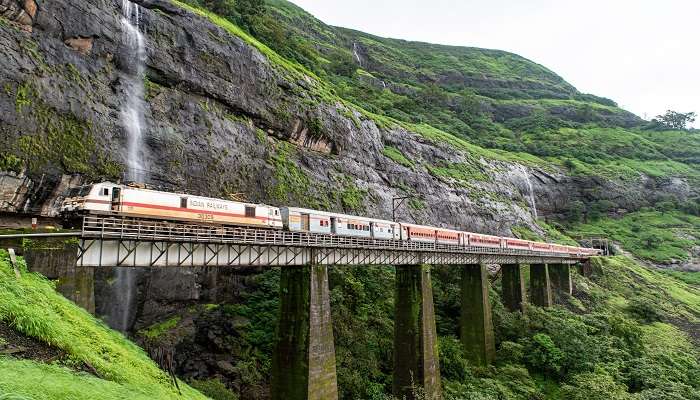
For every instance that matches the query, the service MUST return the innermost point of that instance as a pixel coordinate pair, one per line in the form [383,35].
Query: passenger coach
[132,202]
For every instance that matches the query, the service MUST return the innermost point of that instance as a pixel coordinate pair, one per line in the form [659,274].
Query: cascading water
[134,66]
[530,190]
[356,54]
[122,299]
[123,289]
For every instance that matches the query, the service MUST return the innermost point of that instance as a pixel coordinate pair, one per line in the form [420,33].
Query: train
[119,200]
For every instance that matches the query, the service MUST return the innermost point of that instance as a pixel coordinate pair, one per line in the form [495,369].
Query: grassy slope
[653,235]
[34,308]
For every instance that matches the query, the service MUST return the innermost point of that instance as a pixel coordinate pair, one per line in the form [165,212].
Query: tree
[675,120]
[225,8]
[342,64]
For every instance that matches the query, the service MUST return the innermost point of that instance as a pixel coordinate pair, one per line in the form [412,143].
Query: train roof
[333,214]
[178,193]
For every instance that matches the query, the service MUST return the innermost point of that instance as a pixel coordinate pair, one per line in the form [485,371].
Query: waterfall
[530,190]
[122,298]
[134,64]
[356,54]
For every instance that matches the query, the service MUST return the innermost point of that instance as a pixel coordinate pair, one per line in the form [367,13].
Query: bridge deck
[120,242]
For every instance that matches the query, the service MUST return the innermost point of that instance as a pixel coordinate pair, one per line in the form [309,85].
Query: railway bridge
[304,359]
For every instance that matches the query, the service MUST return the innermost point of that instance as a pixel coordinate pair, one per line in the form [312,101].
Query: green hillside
[96,362]
[490,98]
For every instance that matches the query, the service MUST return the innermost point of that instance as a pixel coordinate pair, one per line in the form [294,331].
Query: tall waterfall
[530,191]
[134,65]
[123,289]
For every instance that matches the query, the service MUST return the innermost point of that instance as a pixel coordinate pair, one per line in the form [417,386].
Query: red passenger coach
[447,236]
[478,240]
[417,233]
[517,244]
[539,246]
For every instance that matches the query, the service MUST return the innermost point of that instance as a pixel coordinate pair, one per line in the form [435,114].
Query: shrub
[594,386]
[453,365]
[644,309]
[542,354]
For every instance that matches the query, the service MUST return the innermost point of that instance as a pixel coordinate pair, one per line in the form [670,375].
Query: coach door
[305,222]
[116,198]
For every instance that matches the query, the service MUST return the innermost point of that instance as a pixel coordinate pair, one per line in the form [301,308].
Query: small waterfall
[356,54]
[134,63]
[530,190]
[122,298]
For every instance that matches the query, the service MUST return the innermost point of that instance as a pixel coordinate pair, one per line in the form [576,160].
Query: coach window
[183,202]
[105,191]
[249,211]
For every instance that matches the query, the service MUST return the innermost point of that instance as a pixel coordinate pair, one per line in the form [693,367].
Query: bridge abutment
[476,325]
[540,285]
[560,276]
[416,362]
[303,365]
[513,287]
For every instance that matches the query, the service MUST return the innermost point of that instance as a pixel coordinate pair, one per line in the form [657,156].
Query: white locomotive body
[125,201]
[119,200]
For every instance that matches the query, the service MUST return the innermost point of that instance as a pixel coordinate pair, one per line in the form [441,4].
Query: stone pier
[560,277]
[416,362]
[540,285]
[513,287]
[303,364]
[476,326]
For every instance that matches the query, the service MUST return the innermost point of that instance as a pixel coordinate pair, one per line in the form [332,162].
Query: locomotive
[118,200]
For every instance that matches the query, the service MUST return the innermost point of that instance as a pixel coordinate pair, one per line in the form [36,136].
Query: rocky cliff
[225,117]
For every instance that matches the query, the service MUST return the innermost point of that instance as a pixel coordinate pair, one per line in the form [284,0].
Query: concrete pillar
[476,326]
[560,276]
[416,362]
[540,286]
[585,268]
[513,285]
[303,365]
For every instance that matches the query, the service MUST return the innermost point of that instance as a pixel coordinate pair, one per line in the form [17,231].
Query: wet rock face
[223,120]
[20,12]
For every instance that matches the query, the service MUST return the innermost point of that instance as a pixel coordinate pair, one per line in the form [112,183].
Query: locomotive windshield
[79,191]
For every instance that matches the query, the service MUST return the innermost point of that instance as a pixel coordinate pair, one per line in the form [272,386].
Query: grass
[157,330]
[462,173]
[25,380]
[397,156]
[624,279]
[34,308]
[658,236]
[691,278]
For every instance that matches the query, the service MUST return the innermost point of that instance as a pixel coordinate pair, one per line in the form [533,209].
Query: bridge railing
[146,230]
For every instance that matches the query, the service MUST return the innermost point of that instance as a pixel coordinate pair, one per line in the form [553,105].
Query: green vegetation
[435,91]
[56,140]
[352,197]
[615,340]
[214,389]
[397,156]
[32,306]
[462,173]
[290,181]
[161,328]
[654,235]
[20,378]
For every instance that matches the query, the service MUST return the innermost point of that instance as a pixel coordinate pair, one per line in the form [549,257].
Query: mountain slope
[119,369]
